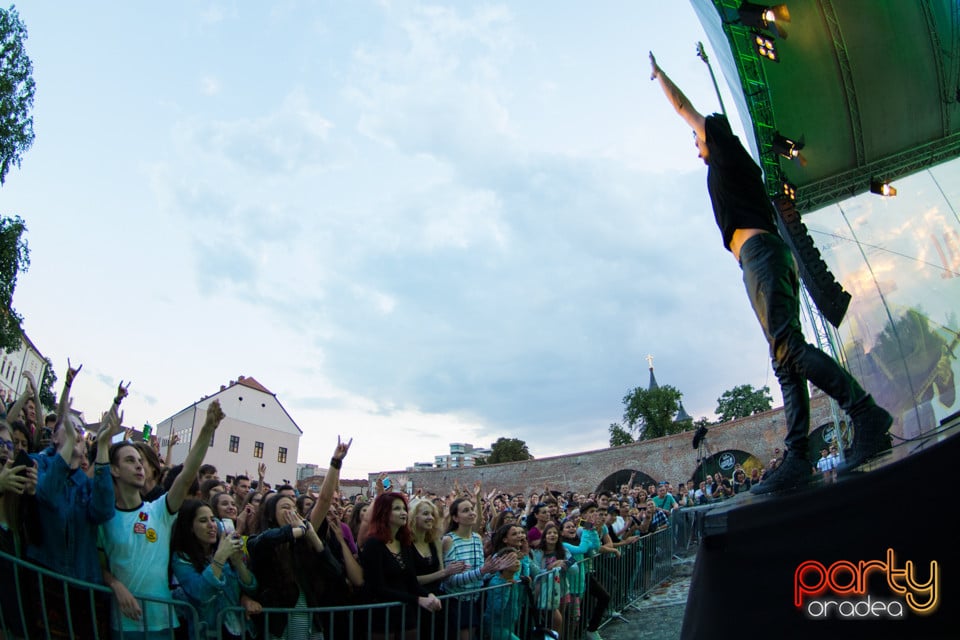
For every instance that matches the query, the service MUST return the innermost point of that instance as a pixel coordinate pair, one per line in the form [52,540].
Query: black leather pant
[772,282]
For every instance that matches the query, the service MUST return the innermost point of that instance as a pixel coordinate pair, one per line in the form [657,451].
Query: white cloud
[209,86]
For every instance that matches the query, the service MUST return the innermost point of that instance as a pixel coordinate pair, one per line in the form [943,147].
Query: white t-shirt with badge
[137,545]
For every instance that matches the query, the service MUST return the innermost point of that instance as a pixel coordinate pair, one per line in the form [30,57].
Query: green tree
[507,450]
[16,136]
[618,435]
[48,397]
[743,401]
[14,258]
[650,412]
[16,92]
[702,421]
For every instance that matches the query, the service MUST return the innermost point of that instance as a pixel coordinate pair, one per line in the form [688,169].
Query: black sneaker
[870,438]
[793,472]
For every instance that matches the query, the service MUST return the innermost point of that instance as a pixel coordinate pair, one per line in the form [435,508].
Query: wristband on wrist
[336,463]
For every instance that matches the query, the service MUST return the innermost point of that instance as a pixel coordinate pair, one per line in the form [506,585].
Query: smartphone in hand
[23,458]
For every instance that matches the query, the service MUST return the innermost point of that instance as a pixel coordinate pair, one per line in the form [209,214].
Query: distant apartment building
[256,429]
[12,365]
[309,470]
[462,454]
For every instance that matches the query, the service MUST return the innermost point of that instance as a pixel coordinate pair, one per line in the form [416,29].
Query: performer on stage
[743,211]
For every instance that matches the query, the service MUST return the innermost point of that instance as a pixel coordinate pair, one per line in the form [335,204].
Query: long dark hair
[183,542]
[268,511]
[215,504]
[19,426]
[531,520]
[356,518]
[559,551]
[497,541]
[454,510]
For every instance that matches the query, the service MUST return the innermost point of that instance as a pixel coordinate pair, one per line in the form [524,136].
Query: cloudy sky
[415,223]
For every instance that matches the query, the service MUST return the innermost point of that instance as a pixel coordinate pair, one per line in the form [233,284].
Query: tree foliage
[618,435]
[14,258]
[16,136]
[507,450]
[48,396]
[16,92]
[702,421]
[743,401]
[650,412]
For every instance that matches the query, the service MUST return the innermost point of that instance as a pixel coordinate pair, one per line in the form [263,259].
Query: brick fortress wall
[670,458]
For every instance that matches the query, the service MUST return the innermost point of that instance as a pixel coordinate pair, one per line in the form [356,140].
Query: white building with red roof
[256,429]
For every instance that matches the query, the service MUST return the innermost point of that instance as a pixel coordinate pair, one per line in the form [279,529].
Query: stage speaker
[827,294]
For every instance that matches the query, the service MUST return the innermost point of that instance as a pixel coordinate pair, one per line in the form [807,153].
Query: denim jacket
[71,506]
[209,596]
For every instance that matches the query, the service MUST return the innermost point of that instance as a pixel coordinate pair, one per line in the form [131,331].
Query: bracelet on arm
[117,400]
[217,563]
[336,463]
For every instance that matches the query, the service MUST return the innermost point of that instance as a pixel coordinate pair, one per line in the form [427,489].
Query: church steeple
[653,379]
[682,415]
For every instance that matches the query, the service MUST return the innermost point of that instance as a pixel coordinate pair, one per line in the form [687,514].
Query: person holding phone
[71,505]
[17,479]
[209,566]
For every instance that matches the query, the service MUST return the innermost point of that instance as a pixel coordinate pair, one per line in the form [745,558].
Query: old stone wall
[670,458]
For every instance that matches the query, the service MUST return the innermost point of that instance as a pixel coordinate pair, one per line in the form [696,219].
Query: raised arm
[171,441]
[111,425]
[63,417]
[330,483]
[178,491]
[16,410]
[678,100]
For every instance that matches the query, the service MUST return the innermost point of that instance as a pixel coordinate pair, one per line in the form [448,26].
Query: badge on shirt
[144,516]
[151,535]
[140,528]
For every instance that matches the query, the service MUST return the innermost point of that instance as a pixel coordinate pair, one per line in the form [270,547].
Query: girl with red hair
[389,572]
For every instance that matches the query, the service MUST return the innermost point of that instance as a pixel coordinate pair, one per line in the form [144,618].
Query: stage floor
[753,547]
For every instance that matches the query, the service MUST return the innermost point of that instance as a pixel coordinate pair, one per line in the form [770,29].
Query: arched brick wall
[670,458]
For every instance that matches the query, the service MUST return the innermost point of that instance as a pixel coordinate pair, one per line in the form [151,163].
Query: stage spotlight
[790,191]
[765,47]
[786,147]
[759,16]
[882,188]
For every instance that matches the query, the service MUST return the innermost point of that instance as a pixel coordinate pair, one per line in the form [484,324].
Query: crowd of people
[465,564]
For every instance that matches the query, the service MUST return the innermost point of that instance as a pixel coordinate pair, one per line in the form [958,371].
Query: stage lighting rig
[765,47]
[789,191]
[882,188]
[769,18]
[784,146]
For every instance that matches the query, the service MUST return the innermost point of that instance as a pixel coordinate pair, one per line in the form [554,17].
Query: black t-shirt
[735,183]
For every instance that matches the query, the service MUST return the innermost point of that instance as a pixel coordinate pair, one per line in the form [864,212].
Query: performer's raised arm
[677,98]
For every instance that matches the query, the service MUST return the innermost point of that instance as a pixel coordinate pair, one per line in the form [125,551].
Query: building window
[257,449]
[234,444]
[282,454]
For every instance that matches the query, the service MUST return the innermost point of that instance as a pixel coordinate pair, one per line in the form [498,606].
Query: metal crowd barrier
[37,603]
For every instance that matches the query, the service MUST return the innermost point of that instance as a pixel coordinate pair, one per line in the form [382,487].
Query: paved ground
[659,617]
